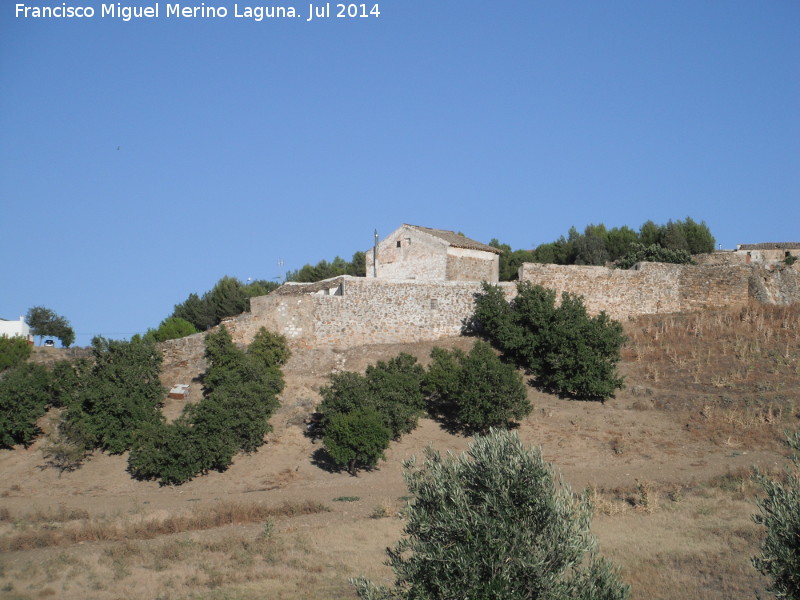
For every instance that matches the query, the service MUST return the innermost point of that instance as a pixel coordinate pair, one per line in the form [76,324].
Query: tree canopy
[779,513]
[357,266]
[566,350]
[241,388]
[44,322]
[494,522]
[229,297]
[120,393]
[170,328]
[13,351]
[475,391]
[598,245]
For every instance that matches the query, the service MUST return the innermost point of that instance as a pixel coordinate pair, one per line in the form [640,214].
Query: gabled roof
[455,239]
[770,246]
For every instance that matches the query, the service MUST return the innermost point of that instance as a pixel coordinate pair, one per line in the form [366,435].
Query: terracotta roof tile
[454,239]
[770,246]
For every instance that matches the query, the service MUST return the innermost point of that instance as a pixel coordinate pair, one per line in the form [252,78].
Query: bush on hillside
[779,558]
[477,390]
[494,522]
[356,439]
[24,397]
[120,393]
[170,328]
[653,253]
[28,390]
[13,352]
[391,388]
[241,388]
[165,452]
[567,351]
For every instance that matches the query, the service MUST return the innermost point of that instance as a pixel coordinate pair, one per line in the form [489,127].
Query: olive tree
[495,522]
[779,558]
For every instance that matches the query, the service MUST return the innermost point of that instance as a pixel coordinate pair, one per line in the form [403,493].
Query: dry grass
[101,530]
[695,546]
[728,377]
[735,371]
[698,547]
[273,559]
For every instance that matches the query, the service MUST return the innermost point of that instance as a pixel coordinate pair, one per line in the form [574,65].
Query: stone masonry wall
[370,311]
[420,257]
[778,285]
[375,311]
[648,288]
[464,264]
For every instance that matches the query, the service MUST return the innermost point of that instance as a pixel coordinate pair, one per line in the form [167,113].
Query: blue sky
[242,142]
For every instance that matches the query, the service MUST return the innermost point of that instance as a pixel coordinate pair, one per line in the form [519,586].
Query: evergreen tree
[779,513]
[568,351]
[495,522]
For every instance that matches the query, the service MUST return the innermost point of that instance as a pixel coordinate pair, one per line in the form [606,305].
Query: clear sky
[143,160]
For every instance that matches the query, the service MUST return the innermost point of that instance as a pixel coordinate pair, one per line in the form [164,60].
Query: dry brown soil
[685,532]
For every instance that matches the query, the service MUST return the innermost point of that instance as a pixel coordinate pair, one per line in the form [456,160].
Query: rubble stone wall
[350,311]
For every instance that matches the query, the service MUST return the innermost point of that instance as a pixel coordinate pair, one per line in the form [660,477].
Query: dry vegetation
[735,370]
[666,464]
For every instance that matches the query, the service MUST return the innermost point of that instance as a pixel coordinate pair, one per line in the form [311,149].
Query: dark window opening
[398,243]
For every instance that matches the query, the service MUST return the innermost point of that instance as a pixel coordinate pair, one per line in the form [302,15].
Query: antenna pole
[375,256]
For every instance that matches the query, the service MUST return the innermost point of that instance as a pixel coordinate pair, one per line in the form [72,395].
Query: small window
[408,241]
[398,243]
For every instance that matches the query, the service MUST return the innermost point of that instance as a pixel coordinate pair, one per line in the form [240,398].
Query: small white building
[425,254]
[16,329]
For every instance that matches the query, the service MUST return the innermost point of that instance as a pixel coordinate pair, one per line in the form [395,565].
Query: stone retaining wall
[350,311]
[648,288]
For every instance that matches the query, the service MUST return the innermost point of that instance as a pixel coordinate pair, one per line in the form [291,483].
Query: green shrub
[356,439]
[67,379]
[779,558]
[494,522]
[391,388]
[345,392]
[442,381]
[119,394]
[170,328]
[241,390]
[165,452]
[13,351]
[396,389]
[478,389]
[567,351]
[653,253]
[24,396]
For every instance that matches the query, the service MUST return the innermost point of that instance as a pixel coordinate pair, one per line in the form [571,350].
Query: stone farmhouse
[423,286]
[425,254]
[766,254]
[769,253]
